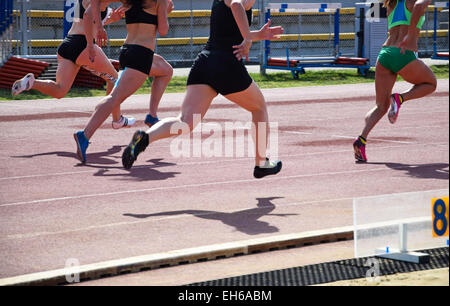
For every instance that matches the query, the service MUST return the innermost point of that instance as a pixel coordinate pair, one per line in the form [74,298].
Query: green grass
[271,80]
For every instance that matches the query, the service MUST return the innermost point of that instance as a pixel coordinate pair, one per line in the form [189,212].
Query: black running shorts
[72,46]
[136,57]
[221,70]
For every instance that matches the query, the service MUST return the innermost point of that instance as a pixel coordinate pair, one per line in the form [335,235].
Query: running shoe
[360,149]
[25,83]
[137,145]
[270,168]
[82,145]
[396,103]
[124,122]
[150,120]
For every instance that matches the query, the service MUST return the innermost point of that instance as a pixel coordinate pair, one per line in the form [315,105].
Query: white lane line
[45,175]
[78,111]
[125,223]
[203,162]
[415,127]
[358,115]
[94,195]
[297,133]
[377,139]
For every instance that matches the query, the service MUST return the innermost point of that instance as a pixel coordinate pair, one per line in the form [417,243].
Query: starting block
[396,226]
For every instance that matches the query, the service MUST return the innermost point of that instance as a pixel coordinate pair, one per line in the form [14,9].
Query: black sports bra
[81,11]
[138,15]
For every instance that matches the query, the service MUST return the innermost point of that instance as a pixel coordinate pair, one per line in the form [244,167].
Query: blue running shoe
[82,145]
[150,120]
[137,145]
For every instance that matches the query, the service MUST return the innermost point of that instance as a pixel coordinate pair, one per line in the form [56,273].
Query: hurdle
[297,65]
[438,55]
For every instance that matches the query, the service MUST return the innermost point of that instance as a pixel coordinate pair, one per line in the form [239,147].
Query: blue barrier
[6,15]
[6,20]
[297,65]
[2,16]
[437,6]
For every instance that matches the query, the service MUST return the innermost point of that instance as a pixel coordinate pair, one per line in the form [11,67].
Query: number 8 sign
[439,213]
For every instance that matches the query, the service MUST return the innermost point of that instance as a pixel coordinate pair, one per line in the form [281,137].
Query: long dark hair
[134,3]
[390,3]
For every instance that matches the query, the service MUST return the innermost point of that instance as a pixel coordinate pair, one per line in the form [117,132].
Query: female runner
[398,57]
[143,19]
[218,69]
[78,49]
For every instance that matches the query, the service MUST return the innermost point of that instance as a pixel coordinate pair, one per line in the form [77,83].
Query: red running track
[52,208]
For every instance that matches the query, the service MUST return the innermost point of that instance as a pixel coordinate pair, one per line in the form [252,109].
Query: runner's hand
[170,7]
[408,43]
[270,33]
[91,52]
[117,14]
[242,51]
[101,37]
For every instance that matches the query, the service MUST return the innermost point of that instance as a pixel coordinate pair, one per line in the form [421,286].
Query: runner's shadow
[245,221]
[424,171]
[95,158]
[139,173]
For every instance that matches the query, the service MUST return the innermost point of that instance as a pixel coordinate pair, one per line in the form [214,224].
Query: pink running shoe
[360,150]
[396,103]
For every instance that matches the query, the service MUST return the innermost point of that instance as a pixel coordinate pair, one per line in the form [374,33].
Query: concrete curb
[179,257]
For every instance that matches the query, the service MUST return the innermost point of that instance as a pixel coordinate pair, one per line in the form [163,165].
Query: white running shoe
[123,122]
[25,83]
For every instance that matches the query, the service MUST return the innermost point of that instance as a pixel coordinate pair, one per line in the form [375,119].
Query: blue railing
[6,20]
[6,15]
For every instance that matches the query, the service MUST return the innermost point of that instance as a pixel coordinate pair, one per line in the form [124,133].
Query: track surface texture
[52,208]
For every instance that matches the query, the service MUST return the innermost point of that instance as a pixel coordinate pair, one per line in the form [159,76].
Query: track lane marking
[213,162]
[77,197]
[101,226]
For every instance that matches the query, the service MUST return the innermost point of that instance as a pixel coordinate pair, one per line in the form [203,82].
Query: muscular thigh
[417,72]
[250,99]
[196,102]
[66,73]
[101,63]
[160,67]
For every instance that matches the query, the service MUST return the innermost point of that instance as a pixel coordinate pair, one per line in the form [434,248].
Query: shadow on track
[94,158]
[107,161]
[245,221]
[139,173]
[424,171]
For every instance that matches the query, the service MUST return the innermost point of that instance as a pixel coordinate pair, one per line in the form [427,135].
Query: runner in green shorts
[398,57]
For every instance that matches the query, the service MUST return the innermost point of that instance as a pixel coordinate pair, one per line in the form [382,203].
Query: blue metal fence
[6,20]
[6,15]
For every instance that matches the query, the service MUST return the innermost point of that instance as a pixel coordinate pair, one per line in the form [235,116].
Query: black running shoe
[270,168]
[137,145]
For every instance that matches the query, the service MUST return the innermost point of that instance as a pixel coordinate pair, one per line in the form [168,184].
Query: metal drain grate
[331,272]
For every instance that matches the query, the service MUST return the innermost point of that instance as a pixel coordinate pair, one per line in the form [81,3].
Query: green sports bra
[402,16]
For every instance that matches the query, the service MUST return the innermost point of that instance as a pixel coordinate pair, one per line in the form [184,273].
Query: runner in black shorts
[219,70]
[144,19]
[75,52]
